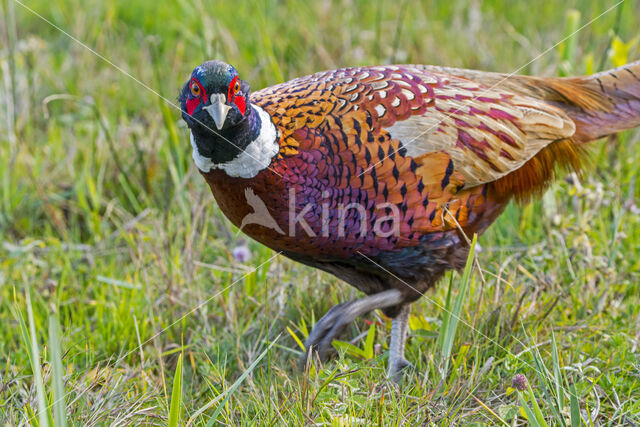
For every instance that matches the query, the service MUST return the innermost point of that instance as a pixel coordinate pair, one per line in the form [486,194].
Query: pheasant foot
[340,316]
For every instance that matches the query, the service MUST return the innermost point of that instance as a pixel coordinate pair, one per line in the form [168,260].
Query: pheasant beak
[218,109]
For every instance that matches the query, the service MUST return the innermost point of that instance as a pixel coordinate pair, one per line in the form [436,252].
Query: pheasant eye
[195,89]
[236,88]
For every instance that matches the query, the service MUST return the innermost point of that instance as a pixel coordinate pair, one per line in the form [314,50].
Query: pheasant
[378,175]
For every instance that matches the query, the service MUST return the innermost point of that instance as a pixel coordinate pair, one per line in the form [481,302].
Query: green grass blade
[55,347]
[350,349]
[568,47]
[546,378]
[368,345]
[447,315]
[25,334]
[43,410]
[576,419]
[453,313]
[295,338]
[225,395]
[531,417]
[176,395]
[556,373]
[536,408]
[30,415]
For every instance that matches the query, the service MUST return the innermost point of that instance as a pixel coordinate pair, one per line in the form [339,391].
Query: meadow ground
[121,303]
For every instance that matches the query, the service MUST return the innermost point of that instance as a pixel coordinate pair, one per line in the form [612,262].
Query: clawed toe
[336,319]
[398,368]
[397,362]
[320,338]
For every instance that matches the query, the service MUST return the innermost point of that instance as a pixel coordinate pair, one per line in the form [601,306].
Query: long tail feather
[601,104]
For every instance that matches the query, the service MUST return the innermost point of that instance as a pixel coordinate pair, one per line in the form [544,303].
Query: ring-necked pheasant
[376,174]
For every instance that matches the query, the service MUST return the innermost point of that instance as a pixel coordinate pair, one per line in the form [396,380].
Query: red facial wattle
[233,96]
[192,103]
[241,103]
[194,100]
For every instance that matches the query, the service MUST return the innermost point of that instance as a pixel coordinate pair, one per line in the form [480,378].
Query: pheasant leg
[397,362]
[341,315]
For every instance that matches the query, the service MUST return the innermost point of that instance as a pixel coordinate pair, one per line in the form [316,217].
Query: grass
[107,230]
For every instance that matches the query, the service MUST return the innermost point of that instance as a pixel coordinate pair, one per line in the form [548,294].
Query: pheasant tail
[599,105]
[604,103]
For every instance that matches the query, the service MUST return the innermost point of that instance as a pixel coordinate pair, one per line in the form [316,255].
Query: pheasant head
[227,132]
[214,95]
